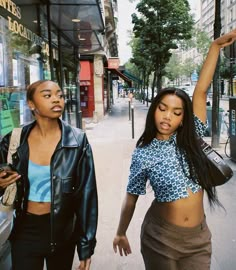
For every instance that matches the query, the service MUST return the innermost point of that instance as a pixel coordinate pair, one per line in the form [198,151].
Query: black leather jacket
[74,206]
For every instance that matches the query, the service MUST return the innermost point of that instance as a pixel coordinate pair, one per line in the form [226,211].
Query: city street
[112,144]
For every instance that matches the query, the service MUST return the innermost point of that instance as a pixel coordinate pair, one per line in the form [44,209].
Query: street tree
[160,25]
[202,42]
[188,67]
[199,42]
[174,69]
[141,58]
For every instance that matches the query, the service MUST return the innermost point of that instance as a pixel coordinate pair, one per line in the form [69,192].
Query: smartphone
[6,168]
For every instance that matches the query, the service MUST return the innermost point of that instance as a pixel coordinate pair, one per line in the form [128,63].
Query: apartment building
[228,16]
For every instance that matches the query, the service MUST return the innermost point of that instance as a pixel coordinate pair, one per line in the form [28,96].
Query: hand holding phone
[7,169]
[7,175]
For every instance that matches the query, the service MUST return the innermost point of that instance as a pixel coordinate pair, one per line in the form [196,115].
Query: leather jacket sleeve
[87,204]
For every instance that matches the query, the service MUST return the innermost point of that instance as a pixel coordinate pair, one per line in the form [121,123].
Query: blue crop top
[160,162]
[40,184]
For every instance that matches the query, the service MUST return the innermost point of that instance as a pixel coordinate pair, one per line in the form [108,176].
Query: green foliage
[201,42]
[188,67]
[132,68]
[173,68]
[161,24]
[226,71]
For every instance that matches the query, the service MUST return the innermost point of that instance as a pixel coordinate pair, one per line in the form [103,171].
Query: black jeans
[31,247]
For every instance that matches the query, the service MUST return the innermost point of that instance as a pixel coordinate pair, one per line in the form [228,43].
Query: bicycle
[226,124]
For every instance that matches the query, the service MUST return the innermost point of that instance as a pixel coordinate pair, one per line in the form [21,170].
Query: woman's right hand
[122,243]
[226,39]
[8,177]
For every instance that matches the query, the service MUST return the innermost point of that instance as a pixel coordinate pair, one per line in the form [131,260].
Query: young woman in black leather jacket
[56,203]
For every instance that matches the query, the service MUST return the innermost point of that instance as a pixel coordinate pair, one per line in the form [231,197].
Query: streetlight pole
[78,112]
[216,98]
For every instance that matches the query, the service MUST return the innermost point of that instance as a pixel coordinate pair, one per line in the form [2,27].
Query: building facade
[63,41]
[206,24]
[228,16]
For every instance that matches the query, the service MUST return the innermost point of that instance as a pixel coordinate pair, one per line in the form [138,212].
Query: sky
[125,9]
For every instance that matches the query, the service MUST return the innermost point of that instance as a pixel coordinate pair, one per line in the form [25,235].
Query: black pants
[31,247]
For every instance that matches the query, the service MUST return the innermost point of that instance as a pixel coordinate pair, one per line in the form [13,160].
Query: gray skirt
[165,246]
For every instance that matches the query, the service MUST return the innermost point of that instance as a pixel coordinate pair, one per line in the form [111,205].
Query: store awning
[132,77]
[80,22]
[85,71]
[121,75]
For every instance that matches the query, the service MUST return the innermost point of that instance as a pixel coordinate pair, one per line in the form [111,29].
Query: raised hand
[226,39]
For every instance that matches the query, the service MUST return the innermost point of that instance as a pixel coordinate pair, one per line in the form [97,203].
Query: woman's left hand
[85,264]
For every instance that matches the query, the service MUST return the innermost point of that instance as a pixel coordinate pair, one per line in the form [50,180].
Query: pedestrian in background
[174,233]
[56,205]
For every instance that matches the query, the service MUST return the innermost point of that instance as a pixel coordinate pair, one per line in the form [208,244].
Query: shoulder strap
[14,143]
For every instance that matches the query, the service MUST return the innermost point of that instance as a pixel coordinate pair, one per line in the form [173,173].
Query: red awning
[85,71]
[121,75]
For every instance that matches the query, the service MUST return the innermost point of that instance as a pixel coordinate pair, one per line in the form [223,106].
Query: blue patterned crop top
[40,184]
[160,162]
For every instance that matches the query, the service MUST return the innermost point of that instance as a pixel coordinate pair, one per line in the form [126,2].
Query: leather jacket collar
[68,139]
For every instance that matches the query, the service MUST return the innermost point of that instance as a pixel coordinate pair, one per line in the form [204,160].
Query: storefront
[19,66]
[44,40]
[86,88]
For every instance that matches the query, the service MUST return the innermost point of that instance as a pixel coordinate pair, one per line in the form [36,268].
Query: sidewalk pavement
[112,145]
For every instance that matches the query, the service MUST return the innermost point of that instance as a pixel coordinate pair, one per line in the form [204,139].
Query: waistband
[152,214]
[30,216]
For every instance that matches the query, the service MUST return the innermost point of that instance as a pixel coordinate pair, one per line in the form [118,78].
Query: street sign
[194,77]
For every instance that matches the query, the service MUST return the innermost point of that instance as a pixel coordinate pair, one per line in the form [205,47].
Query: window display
[1,63]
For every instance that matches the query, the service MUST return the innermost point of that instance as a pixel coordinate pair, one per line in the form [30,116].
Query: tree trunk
[153,84]
[216,97]
[158,79]
[147,86]
[144,81]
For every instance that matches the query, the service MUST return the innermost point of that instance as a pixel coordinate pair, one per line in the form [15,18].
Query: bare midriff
[186,212]
[39,208]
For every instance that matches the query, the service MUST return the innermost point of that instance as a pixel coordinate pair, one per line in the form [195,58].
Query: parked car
[189,89]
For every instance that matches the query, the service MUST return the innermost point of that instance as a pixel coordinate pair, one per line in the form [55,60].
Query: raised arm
[207,72]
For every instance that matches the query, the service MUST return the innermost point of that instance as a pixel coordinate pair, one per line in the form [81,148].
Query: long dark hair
[186,140]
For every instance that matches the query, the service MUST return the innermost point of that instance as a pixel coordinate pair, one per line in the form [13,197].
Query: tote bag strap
[14,143]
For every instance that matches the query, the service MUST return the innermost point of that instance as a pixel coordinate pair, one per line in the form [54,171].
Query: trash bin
[209,120]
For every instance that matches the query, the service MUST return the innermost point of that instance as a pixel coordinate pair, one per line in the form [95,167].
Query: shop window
[1,63]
